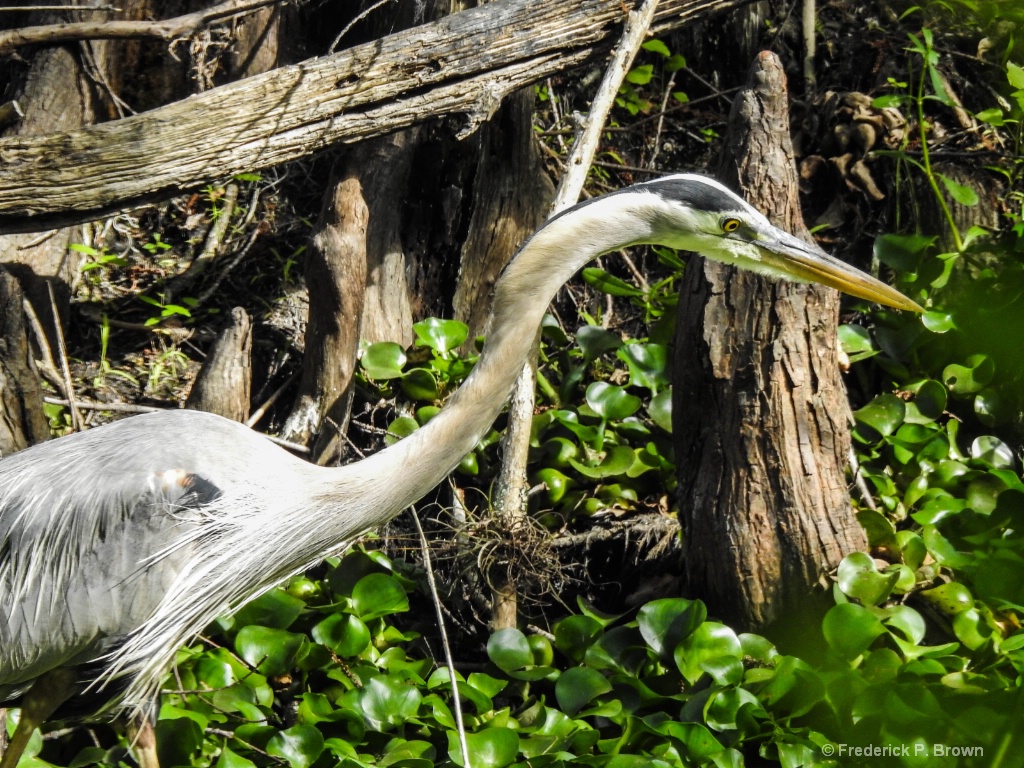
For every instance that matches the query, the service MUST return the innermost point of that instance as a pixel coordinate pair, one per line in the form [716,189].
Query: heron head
[699,214]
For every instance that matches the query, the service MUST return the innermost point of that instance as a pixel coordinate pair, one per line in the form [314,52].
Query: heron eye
[730,224]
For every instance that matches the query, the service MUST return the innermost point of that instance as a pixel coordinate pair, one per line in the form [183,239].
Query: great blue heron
[119,544]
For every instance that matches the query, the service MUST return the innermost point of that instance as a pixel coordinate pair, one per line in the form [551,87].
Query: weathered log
[224,383]
[763,498]
[462,65]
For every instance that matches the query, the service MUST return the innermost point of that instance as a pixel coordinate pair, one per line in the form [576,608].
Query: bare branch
[168,29]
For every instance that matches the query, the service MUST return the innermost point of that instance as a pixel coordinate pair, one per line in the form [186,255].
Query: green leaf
[229,759]
[851,629]
[938,322]
[640,75]
[961,193]
[442,336]
[509,650]
[489,748]
[709,642]
[931,398]
[1015,75]
[607,283]
[275,608]
[343,633]
[387,702]
[648,365]
[859,578]
[595,341]
[383,360]
[951,598]
[271,651]
[658,47]
[379,594]
[574,634]
[420,384]
[884,414]
[300,745]
[178,740]
[401,427]
[577,687]
[667,622]
[973,375]
[992,451]
[660,409]
[901,252]
[611,402]
[855,339]
[617,460]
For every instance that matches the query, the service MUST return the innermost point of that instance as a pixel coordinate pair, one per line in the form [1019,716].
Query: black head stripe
[695,193]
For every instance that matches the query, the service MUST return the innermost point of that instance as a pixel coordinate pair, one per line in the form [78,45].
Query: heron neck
[404,472]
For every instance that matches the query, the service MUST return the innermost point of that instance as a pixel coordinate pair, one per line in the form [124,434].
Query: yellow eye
[730,224]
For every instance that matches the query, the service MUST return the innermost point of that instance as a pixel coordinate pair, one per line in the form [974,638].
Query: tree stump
[762,436]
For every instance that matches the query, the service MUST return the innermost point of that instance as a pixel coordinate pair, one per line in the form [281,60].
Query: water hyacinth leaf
[971,377]
[850,629]
[509,650]
[648,365]
[729,707]
[271,651]
[856,340]
[667,622]
[931,398]
[229,759]
[343,633]
[577,687]
[300,745]
[901,252]
[938,322]
[992,451]
[858,577]
[884,414]
[595,341]
[178,741]
[607,283]
[379,594]
[275,608]
[386,702]
[942,550]
[420,384]
[660,409]
[878,527]
[616,461]
[971,629]
[991,406]
[383,360]
[908,621]
[709,641]
[611,402]
[400,427]
[951,598]
[574,634]
[441,335]
[489,748]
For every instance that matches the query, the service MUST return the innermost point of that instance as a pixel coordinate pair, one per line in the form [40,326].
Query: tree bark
[22,422]
[462,65]
[760,408]
[336,279]
[224,383]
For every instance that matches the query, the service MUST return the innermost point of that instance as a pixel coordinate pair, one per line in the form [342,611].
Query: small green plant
[168,310]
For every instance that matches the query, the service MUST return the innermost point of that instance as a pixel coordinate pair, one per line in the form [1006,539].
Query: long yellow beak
[793,257]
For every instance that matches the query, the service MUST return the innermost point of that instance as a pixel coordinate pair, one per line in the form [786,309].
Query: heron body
[119,544]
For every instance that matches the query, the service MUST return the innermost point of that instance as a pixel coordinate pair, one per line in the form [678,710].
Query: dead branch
[168,29]
[462,65]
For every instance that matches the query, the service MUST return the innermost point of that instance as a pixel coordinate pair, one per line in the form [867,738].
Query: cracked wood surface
[461,65]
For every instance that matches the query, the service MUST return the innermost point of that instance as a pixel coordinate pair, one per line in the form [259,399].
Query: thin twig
[111,407]
[168,29]
[65,368]
[359,17]
[259,412]
[449,661]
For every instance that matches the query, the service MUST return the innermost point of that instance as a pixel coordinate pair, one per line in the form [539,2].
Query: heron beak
[793,257]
